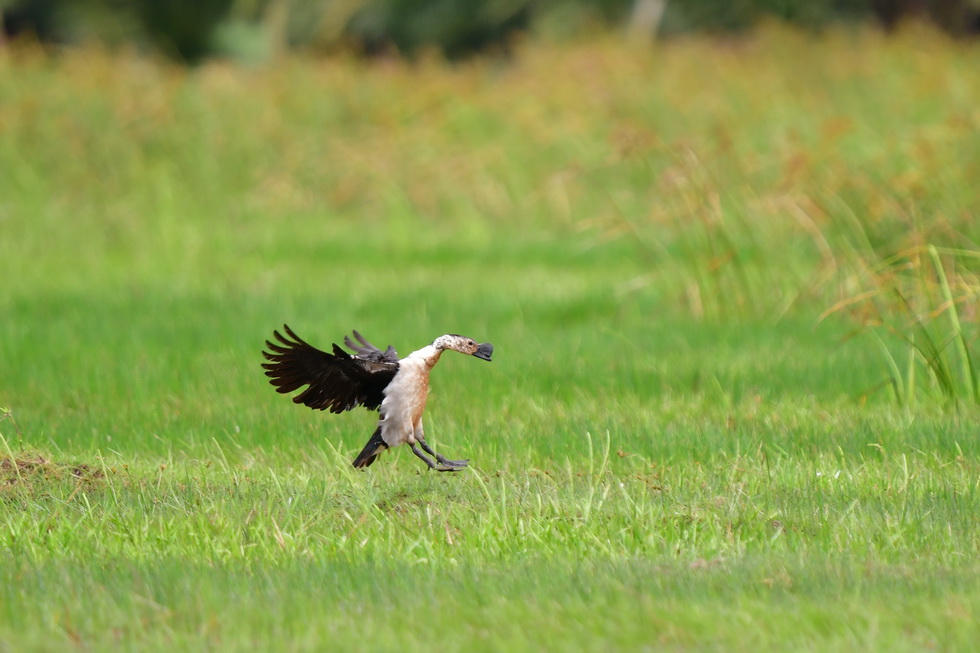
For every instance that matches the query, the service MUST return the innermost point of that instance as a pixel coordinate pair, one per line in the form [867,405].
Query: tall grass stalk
[910,298]
[964,356]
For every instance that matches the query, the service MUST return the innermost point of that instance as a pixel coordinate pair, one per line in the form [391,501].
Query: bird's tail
[371,450]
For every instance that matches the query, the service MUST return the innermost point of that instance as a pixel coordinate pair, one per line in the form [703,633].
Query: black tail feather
[371,450]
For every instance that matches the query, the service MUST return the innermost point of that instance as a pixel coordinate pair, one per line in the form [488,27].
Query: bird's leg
[448,465]
[425,459]
[455,464]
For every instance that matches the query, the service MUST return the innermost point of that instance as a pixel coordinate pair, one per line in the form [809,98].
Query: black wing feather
[335,381]
[368,352]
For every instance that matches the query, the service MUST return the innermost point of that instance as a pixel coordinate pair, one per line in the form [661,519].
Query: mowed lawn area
[732,288]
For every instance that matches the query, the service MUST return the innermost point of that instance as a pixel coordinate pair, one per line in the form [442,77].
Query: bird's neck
[428,355]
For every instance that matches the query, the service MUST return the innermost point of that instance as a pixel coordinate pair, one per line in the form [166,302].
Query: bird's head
[464,345]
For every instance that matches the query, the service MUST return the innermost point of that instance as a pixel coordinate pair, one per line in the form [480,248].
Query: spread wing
[335,381]
[369,353]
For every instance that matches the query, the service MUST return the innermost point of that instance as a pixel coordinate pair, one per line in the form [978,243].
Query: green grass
[671,449]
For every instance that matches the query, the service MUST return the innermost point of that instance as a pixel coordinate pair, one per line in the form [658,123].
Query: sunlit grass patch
[238,554]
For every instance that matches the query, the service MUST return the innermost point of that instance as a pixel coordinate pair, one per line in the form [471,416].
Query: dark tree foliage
[186,29]
[40,18]
[182,28]
[457,27]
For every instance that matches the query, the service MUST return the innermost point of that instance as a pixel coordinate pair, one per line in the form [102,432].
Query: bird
[378,380]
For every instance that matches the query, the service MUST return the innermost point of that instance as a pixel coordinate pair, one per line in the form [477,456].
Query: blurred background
[257,29]
[727,251]
[663,207]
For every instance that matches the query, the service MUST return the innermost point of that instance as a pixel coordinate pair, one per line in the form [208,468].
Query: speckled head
[464,345]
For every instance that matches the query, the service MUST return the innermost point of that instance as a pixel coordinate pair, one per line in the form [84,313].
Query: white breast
[401,409]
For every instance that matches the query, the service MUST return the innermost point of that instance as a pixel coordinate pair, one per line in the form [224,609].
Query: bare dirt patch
[30,469]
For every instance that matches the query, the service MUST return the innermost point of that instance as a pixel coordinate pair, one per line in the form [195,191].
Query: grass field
[732,287]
